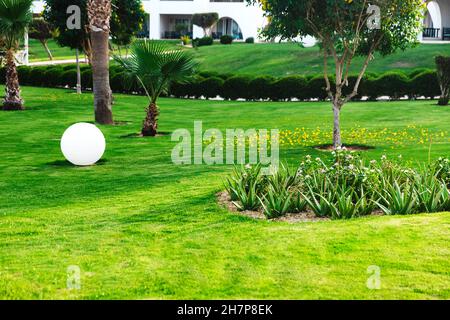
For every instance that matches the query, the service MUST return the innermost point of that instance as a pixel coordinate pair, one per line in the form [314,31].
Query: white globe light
[83,144]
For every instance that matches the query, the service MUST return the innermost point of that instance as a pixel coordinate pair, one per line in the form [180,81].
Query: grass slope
[140,227]
[288,58]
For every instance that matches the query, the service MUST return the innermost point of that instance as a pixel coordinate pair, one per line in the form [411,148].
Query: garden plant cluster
[345,187]
[394,84]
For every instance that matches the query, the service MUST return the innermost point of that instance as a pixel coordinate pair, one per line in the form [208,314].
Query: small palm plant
[15,16]
[156,67]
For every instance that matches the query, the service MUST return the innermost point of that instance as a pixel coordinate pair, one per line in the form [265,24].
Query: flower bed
[344,188]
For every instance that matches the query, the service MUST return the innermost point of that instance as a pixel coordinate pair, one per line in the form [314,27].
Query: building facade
[437,21]
[173,18]
[169,19]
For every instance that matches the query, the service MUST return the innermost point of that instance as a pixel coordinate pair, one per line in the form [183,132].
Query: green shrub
[250,40]
[24,73]
[292,87]
[316,88]
[392,84]
[237,87]
[86,79]
[53,76]
[69,78]
[226,39]
[260,87]
[425,84]
[201,42]
[36,76]
[343,187]
[211,87]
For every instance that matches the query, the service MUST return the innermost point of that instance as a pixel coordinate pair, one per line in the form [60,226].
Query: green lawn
[38,53]
[288,58]
[140,227]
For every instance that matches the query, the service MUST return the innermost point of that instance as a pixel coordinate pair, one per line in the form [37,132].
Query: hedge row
[419,83]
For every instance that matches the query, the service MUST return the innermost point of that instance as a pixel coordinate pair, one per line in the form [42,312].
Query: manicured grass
[38,53]
[288,58]
[140,227]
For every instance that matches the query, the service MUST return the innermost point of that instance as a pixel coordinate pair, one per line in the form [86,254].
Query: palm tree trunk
[99,12]
[150,126]
[12,100]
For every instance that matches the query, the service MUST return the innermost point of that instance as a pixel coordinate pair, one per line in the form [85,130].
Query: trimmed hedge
[393,84]
[226,39]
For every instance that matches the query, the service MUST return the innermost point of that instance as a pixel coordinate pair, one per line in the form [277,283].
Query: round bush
[392,84]
[69,78]
[316,88]
[226,39]
[36,76]
[250,40]
[292,87]
[24,73]
[261,87]
[53,76]
[237,87]
[211,87]
[205,41]
[86,79]
[425,84]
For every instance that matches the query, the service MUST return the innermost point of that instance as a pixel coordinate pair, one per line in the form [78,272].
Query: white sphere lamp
[83,144]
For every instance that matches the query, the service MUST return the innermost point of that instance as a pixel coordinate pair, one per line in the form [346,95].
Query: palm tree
[155,67]
[99,13]
[15,16]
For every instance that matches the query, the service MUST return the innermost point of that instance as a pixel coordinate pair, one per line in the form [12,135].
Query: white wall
[249,18]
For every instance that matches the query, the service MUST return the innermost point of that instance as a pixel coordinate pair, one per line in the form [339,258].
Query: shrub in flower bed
[344,188]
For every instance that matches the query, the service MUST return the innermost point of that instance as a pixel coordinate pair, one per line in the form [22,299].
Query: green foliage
[226,39]
[211,87]
[250,40]
[156,67]
[261,88]
[236,88]
[15,16]
[201,42]
[127,18]
[205,20]
[55,13]
[344,188]
[424,84]
[40,29]
[392,84]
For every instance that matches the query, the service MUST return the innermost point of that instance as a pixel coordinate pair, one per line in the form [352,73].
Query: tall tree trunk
[12,100]
[150,126]
[99,12]
[77,53]
[337,140]
[47,49]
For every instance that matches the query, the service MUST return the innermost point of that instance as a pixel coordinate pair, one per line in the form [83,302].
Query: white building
[171,18]
[237,18]
[437,21]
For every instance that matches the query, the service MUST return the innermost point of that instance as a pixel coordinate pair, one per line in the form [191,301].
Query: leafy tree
[443,72]
[345,29]
[15,16]
[205,21]
[41,30]
[127,19]
[77,39]
[99,15]
[156,67]
[56,15]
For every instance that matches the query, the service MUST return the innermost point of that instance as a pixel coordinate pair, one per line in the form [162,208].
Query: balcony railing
[431,33]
